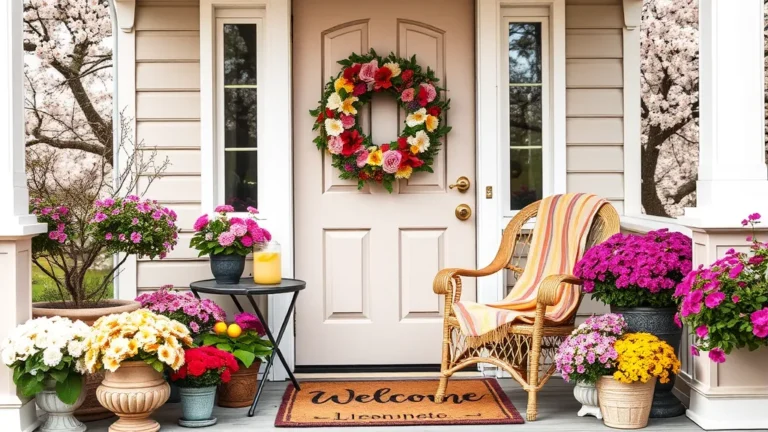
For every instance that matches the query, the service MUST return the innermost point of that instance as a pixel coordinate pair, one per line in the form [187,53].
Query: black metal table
[248,288]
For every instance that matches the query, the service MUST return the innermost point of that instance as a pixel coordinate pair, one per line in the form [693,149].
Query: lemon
[220,328]
[266,256]
[234,330]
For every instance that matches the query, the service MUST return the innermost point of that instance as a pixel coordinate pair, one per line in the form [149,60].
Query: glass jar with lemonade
[266,264]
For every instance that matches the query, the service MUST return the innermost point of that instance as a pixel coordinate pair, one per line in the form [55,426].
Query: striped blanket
[561,231]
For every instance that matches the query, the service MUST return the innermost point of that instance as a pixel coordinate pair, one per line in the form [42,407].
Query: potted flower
[245,340]
[46,355]
[637,275]
[135,348]
[205,368]
[227,240]
[586,355]
[625,395]
[725,305]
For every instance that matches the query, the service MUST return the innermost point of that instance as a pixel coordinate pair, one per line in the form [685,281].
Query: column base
[728,412]
[22,418]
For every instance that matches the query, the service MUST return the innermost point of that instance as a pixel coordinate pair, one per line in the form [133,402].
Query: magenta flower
[157,215]
[121,237]
[99,217]
[249,321]
[135,221]
[702,331]
[247,241]
[717,355]
[200,223]
[226,238]
[108,236]
[694,351]
[759,320]
[224,209]
[135,237]
[713,300]
[238,229]
[735,298]
[252,210]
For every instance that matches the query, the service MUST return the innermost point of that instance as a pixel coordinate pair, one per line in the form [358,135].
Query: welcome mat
[395,403]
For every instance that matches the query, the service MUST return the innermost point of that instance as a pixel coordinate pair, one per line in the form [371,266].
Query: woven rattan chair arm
[442,283]
[515,269]
[549,288]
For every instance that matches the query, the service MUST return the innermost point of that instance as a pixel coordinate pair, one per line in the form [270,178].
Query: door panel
[368,256]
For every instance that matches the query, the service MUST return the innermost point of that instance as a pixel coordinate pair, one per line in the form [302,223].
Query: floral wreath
[354,152]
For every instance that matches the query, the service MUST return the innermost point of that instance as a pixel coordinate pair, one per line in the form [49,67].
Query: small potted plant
[725,305]
[625,395]
[135,348]
[206,367]
[227,240]
[636,275]
[46,355]
[585,356]
[245,340]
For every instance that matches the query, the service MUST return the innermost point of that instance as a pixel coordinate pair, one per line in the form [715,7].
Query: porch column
[17,226]
[732,184]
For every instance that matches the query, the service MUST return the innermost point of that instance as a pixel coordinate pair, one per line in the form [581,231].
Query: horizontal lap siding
[168,127]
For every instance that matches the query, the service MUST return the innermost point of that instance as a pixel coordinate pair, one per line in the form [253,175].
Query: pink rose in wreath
[347,121]
[391,162]
[407,95]
[431,92]
[362,158]
[335,145]
[368,71]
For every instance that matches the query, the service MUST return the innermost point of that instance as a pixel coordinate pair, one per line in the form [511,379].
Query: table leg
[237,303]
[275,350]
[195,293]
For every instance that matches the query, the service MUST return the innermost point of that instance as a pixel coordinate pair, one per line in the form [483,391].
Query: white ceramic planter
[586,395]
[60,415]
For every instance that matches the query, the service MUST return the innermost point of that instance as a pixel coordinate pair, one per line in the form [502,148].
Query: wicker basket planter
[241,389]
[625,406]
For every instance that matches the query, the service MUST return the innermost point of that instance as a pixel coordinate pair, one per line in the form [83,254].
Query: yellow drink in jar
[267,267]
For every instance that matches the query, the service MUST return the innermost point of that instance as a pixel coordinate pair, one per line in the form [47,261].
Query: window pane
[240,117]
[525,123]
[240,176]
[525,52]
[240,54]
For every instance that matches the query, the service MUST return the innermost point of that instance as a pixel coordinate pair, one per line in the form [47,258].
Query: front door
[368,256]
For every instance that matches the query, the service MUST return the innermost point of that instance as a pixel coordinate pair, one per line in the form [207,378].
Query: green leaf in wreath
[245,357]
[69,389]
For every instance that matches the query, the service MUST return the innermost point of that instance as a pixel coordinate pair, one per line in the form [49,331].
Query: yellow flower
[343,83]
[416,118]
[347,106]
[111,364]
[375,158]
[179,360]
[432,122]
[404,172]
[333,127]
[166,354]
[420,140]
[394,67]
[414,149]
[642,357]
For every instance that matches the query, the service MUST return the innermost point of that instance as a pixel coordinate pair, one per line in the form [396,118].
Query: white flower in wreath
[419,141]
[334,102]
[394,67]
[334,127]
[416,118]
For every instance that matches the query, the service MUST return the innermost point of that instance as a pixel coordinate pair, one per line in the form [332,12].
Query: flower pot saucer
[197,423]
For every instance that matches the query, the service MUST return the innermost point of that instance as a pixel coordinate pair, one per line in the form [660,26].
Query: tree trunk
[650,158]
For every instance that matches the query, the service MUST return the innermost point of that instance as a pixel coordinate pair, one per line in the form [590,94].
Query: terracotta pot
[60,414]
[241,389]
[625,406]
[133,392]
[91,409]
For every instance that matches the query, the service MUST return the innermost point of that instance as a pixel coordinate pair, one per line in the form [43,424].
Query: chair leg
[532,410]
[440,395]
[444,364]
[533,362]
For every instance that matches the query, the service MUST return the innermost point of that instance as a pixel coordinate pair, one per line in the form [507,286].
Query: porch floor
[557,411]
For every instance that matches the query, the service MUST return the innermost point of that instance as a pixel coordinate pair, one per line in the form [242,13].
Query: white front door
[368,256]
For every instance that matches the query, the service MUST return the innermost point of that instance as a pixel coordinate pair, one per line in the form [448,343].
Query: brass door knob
[463,212]
[462,184]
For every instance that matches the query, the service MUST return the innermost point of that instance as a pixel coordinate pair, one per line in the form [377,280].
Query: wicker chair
[527,352]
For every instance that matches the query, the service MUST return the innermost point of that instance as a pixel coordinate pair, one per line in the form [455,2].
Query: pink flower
[99,217]
[694,351]
[735,298]
[360,88]
[157,215]
[713,300]
[391,161]
[226,239]
[201,223]
[744,222]
[335,145]
[702,331]
[347,121]
[252,210]
[759,321]
[677,321]
[224,209]
[135,221]
[195,327]
[754,216]
[247,241]
[717,355]
[736,271]
[136,237]
[368,71]
[362,158]
[116,211]
[407,95]
[121,237]
[431,92]
[108,236]
[756,260]
[238,229]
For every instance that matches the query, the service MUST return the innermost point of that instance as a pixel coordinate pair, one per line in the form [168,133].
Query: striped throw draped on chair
[560,233]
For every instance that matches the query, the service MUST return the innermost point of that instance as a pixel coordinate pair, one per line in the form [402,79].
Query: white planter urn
[586,395]
[60,415]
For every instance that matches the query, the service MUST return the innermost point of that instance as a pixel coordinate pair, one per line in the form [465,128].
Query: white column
[16,225]
[732,170]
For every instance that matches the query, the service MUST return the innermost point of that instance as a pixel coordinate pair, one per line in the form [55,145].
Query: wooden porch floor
[557,412]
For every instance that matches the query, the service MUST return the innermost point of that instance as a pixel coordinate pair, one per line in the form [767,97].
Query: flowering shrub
[47,348]
[136,227]
[588,353]
[643,356]
[199,315]
[140,335]
[59,221]
[249,321]
[205,367]
[246,347]
[726,304]
[636,270]
[227,236]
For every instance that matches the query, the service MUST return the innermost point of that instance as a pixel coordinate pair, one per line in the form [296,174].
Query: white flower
[420,140]
[52,357]
[75,348]
[416,118]
[394,67]
[8,355]
[334,102]
[334,127]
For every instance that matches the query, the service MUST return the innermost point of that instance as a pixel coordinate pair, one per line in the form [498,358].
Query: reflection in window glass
[525,114]
[240,119]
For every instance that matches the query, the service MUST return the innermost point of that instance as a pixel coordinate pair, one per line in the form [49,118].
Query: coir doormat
[395,403]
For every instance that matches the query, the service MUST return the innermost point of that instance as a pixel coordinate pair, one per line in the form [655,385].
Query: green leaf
[158,366]
[69,389]
[29,385]
[224,347]
[245,357]
[59,375]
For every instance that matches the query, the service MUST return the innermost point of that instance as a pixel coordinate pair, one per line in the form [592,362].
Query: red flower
[329,113]
[382,78]
[320,118]
[402,143]
[379,176]
[410,159]
[434,111]
[225,376]
[352,71]
[384,147]
[196,368]
[406,76]
[352,141]
[363,175]
[180,374]
[422,97]
[360,88]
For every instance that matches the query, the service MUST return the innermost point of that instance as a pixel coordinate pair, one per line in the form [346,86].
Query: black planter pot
[659,322]
[227,269]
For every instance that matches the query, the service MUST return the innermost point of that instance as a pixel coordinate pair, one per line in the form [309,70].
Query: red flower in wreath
[360,88]
[434,111]
[352,142]
[382,78]
[422,97]
[410,159]
[352,71]
[406,76]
